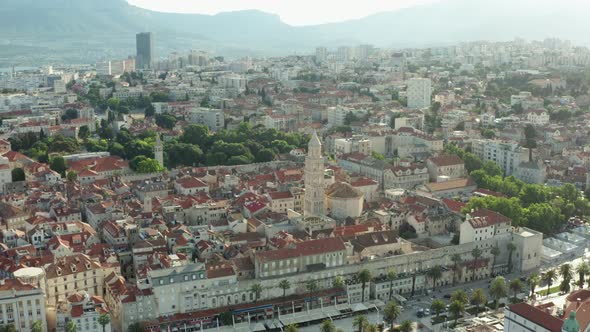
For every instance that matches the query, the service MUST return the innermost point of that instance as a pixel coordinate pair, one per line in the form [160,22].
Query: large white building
[21,304]
[212,118]
[233,81]
[419,93]
[507,155]
[353,144]
[103,68]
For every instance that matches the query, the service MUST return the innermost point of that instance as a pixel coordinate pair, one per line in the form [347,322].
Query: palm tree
[495,252]
[360,322]
[327,326]
[583,269]
[516,287]
[284,285]
[456,309]
[291,328]
[566,272]
[338,282]
[312,286]
[71,326]
[548,277]
[406,326]
[498,290]
[456,259]
[364,276]
[104,320]
[434,273]
[372,328]
[476,254]
[135,327]
[391,313]
[37,326]
[478,297]
[437,306]
[533,282]
[511,247]
[257,290]
[391,275]
[460,295]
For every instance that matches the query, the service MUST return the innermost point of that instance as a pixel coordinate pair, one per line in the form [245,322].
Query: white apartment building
[71,274]
[279,122]
[126,93]
[337,115]
[212,118]
[419,92]
[21,304]
[505,154]
[117,67]
[85,311]
[353,144]
[103,68]
[59,86]
[321,54]
[482,225]
[233,81]
[191,287]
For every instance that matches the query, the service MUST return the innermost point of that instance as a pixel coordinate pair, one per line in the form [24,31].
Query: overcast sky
[294,12]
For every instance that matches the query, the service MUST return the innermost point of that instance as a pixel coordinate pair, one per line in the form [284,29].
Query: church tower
[314,179]
[159,151]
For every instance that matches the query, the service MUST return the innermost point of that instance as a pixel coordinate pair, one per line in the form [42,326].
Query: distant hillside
[112,24]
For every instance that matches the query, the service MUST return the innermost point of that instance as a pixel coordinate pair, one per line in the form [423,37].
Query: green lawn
[543,292]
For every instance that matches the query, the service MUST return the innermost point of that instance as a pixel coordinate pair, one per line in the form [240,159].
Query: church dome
[571,324]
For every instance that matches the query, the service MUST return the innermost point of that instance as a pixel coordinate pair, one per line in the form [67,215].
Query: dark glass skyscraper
[145,50]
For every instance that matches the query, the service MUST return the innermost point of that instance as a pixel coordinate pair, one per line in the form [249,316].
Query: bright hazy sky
[294,12]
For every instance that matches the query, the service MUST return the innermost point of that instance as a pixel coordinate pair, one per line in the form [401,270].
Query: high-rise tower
[144,43]
[314,179]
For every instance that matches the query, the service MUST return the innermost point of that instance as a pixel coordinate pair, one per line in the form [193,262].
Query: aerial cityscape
[176,182]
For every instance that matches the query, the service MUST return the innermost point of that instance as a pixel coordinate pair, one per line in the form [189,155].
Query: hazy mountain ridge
[115,22]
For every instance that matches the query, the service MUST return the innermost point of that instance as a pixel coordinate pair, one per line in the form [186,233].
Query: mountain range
[89,27]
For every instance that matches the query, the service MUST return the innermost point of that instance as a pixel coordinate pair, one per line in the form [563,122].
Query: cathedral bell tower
[314,179]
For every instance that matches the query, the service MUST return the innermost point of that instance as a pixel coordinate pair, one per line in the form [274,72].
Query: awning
[259,327]
[359,307]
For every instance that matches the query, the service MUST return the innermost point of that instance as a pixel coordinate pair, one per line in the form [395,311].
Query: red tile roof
[453,205]
[191,182]
[446,160]
[280,195]
[485,218]
[537,316]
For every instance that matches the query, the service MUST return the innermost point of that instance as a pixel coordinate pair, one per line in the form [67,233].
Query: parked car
[420,313]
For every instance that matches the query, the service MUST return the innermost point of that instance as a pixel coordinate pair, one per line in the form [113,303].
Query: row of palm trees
[567,273]
[390,313]
[499,289]
[363,276]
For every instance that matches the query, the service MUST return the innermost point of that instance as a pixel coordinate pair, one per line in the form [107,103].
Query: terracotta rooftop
[537,316]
